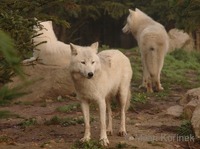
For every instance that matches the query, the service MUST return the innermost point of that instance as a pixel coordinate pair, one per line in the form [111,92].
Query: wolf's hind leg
[158,84]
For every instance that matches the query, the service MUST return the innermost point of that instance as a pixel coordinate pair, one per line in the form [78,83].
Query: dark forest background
[83,22]
[86,21]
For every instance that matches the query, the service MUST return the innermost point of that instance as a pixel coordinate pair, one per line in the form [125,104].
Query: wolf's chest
[87,89]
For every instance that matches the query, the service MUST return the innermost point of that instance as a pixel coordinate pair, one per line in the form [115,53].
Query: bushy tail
[152,62]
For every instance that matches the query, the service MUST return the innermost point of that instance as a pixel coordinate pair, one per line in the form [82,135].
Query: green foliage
[20,29]
[64,121]
[5,139]
[139,97]
[186,13]
[185,129]
[17,19]
[6,95]
[180,72]
[28,122]
[68,108]
[182,14]
[87,145]
[122,145]
[7,114]
[115,9]
[9,60]
[9,63]
[178,68]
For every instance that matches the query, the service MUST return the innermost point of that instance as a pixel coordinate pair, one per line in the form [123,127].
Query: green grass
[139,97]
[5,139]
[68,108]
[92,144]
[7,114]
[123,145]
[185,129]
[27,103]
[28,122]
[181,70]
[65,121]
[136,67]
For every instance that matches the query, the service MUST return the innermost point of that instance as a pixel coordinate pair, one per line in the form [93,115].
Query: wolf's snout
[125,29]
[90,74]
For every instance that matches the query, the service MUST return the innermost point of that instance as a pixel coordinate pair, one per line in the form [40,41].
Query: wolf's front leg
[86,115]
[109,128]
[102,109]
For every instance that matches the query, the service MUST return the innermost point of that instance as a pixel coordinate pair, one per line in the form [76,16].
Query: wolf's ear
[95,46]
[73,49]
[137,10]
[50,22]
[131,11]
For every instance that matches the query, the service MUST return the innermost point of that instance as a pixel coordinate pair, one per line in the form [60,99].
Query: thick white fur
[153,42]
[53,52]
[111,78]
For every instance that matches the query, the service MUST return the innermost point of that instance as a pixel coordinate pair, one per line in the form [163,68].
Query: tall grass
[181,70]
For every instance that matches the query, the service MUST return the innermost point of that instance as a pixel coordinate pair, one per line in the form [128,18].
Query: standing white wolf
[153,42]
[53,52]
[101,77]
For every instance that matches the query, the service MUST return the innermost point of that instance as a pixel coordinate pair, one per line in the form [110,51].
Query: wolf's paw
[109,132]
[160,88]
[122,133]
[85,139]
[149,90]
[104,141]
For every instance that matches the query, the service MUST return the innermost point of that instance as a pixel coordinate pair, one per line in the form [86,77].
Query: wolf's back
[115,61]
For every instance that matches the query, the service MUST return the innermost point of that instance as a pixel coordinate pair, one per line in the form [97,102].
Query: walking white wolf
[53,52]
[101,77]
[153,42]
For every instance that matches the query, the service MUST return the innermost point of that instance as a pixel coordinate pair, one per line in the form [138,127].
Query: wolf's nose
[90,74]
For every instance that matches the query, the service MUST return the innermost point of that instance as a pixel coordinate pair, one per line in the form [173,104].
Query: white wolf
[153,42]
[53,52]
[101,77]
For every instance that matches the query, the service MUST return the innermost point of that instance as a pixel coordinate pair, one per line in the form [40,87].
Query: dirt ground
[147,123]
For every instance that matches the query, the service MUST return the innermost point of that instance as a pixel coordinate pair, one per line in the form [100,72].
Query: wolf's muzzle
[90,75]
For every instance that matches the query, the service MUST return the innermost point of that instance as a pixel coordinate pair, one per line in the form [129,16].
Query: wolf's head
[135,20]
[44,32]
[84,60]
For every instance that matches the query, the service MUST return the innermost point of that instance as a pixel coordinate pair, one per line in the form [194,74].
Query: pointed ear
[131,11]
[50,22]
[137,10]
[73,49]
[95,46]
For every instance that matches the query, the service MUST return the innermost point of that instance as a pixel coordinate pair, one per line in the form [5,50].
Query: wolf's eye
[82,62]
[93,62]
